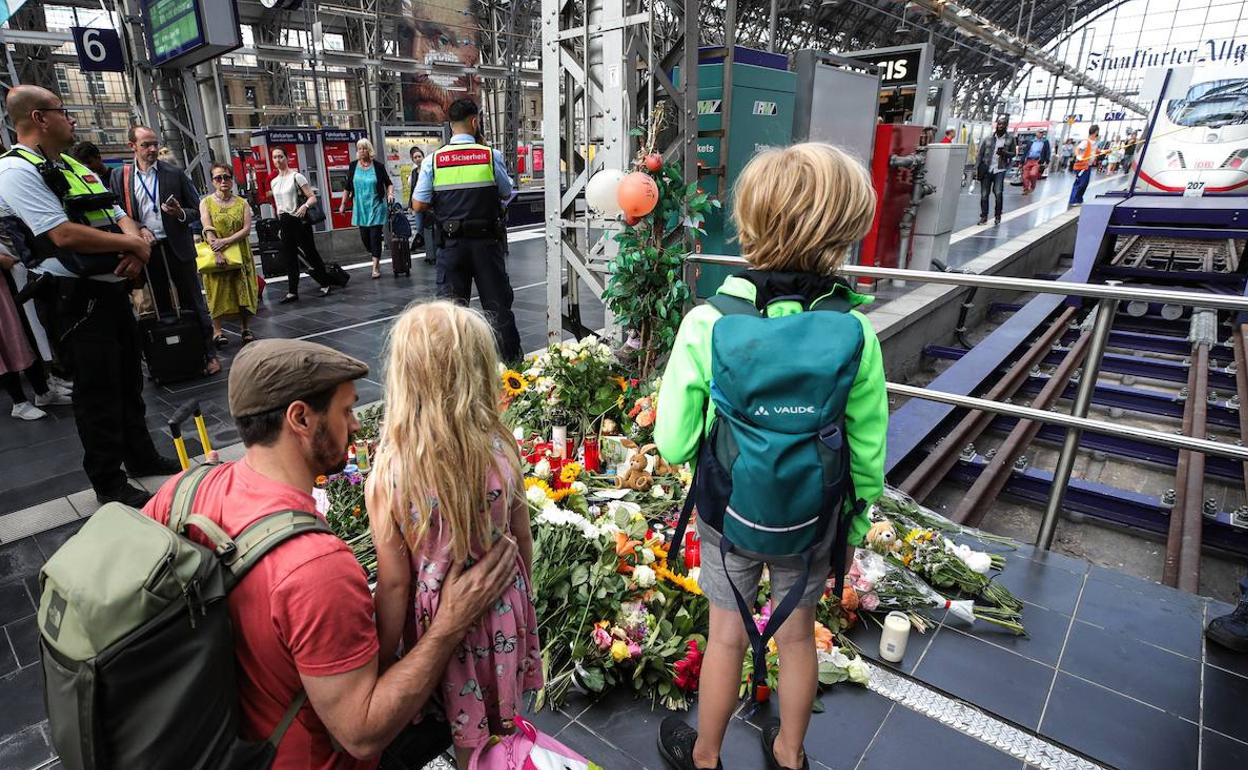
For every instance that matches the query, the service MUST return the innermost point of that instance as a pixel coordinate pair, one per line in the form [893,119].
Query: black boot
[1231,631]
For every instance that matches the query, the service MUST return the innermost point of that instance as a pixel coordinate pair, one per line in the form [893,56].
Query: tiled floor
[1114,668]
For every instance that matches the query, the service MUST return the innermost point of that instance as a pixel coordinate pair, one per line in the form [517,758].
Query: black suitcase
[173,345]
[400,256]
[272,264]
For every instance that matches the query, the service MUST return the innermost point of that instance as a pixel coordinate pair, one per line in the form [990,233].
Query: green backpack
[137,647]
[773,474]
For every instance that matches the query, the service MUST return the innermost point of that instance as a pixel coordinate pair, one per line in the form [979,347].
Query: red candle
[693,550]
[556,468]
[593,460]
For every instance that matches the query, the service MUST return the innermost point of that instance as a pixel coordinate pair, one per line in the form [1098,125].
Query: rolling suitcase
[269,233]
[400,256]
[173,345]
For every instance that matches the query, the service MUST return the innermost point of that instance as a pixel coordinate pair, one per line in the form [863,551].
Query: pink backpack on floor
[527,749]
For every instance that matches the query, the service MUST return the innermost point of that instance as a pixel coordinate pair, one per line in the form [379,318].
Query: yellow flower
[531,482]
[514,382]
[619,651]
[570,472]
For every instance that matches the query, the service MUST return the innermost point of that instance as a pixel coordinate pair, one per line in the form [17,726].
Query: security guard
[64,222]
[464,184]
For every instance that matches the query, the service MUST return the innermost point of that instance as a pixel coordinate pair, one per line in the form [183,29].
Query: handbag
[314,214]
[206,258]
[527,749]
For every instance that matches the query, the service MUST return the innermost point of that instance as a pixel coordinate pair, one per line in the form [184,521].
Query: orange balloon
[638,194]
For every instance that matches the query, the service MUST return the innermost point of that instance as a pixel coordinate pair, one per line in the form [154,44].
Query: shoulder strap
[184,496]
[127,188]
[288,719]
[727,304]
[264,535]
[834,302]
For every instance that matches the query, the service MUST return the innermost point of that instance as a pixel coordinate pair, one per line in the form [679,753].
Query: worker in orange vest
[1085,154]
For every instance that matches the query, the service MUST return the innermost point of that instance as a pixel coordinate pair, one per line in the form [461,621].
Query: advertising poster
[339,150]
[405,148]
[441,31]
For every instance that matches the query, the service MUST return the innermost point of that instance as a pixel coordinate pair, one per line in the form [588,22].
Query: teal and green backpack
[136,640]
[773,474]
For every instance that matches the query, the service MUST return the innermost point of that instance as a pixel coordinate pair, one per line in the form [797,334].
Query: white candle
[894,636]
[559,437]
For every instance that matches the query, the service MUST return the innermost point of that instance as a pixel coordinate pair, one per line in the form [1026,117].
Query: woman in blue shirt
[370,192]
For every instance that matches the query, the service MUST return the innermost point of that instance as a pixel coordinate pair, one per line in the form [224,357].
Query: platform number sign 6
[1194,189]
[99,50]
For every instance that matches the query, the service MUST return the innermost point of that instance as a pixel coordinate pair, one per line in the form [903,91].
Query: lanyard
[154,191]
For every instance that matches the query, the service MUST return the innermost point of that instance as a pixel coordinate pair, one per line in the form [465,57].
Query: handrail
[1090,290]
[1118,430]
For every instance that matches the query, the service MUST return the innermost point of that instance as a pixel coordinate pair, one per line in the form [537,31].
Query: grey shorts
[746,572]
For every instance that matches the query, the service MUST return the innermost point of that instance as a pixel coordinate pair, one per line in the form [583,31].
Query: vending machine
[338,150]
[303,149]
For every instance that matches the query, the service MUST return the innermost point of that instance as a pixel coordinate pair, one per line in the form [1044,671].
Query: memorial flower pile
[613,609]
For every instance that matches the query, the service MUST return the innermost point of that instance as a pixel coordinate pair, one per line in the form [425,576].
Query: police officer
[66,221]
[464,184]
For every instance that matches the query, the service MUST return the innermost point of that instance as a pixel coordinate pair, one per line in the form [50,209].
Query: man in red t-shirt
[303,617]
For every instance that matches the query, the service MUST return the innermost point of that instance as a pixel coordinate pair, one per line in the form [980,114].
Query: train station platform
[1114,673]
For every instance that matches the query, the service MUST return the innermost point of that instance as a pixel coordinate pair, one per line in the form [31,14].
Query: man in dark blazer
[164,201]
[992,161]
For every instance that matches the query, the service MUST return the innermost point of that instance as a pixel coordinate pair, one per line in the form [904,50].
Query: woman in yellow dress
[227,221]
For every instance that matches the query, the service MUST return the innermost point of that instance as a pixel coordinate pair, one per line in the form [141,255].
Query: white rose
[579,488]
[644,576]
[536,495]
[542,469]
[647,556]
[694,573]
[858,671]
[658,493]
[839,659]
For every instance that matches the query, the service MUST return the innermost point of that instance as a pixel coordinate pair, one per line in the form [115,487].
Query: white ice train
[1200,142]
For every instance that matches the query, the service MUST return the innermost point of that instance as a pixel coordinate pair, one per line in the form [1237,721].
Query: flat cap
[271,374]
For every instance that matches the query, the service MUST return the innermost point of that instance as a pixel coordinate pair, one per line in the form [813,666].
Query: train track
[1187,371]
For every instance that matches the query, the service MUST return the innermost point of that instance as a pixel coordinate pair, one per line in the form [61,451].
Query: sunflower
[514,382]
[531,482]
[570,473]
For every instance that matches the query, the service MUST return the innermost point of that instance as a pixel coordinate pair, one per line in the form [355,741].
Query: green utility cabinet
[762,116]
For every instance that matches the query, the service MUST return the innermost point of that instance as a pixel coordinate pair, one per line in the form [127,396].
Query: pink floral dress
[500,659]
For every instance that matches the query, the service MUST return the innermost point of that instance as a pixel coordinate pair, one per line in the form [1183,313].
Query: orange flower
[849,598]
[624,546]
[823,637]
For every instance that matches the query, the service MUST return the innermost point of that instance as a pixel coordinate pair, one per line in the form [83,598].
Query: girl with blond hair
[446,485]
[798,211]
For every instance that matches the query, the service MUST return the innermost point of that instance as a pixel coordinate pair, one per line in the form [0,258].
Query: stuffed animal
[655,463]
[882,537]
[635,476]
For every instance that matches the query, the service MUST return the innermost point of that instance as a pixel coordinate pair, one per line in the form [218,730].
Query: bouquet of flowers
[569,383]
[875,582]
[900,508]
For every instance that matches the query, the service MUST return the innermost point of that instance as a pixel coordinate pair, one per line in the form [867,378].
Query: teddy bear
[882,537]
[635,476]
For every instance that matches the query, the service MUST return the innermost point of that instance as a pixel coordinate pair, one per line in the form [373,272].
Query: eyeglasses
[64,110]
[222,177]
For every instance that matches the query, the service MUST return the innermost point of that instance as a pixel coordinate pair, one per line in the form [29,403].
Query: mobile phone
[171,201]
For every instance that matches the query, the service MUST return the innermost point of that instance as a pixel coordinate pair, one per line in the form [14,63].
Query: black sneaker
[982,221]
[676,741]
[157,466]
[125,494]
[1231,631]
[997,220]
[770,731]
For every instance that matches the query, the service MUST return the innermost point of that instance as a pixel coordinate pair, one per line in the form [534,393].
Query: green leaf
[636,132]
[593,679]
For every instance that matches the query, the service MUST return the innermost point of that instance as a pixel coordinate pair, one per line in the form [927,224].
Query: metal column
[1105,310]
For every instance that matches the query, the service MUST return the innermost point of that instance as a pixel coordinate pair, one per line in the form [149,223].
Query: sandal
[213,367]
[220,340]
[248,337]
[376,273]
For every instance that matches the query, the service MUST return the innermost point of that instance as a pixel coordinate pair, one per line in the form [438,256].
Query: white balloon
[600,193]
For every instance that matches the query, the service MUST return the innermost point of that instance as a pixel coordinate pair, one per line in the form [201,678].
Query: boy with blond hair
[776,387]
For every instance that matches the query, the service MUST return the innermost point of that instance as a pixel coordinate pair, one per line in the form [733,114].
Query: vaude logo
[761,411]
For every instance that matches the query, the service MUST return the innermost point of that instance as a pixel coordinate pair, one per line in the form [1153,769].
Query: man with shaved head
[70,227]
